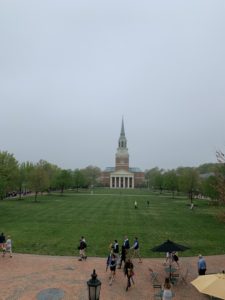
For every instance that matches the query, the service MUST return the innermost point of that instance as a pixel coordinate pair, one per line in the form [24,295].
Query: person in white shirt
[8,247]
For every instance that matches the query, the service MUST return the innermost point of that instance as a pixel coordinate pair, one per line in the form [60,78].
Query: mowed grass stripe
[55,224]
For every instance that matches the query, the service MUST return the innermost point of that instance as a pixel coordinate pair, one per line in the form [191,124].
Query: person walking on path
[122,256]
[175,258]
[126,244]
[201,265]
[2,241]
[112,266]
[108,261]
[129,272]
[8,247]
[82,249]
[136,250]
[115,248]
[168,257]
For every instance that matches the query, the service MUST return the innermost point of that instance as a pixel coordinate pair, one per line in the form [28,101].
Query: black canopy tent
[170,247]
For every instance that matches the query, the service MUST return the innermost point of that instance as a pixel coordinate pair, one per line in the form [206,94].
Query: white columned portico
[122,179]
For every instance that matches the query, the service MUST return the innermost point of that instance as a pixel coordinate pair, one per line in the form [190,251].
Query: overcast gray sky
[69,71]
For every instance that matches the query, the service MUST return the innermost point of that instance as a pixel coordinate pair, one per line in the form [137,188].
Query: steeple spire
[122,138]
[122,156]
[122,129]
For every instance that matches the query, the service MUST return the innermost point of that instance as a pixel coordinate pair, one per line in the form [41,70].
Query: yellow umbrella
[213,285]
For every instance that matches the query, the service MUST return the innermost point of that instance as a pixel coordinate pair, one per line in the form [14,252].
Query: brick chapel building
[122,176]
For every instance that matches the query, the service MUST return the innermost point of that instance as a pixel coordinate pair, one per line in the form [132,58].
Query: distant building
[122,176]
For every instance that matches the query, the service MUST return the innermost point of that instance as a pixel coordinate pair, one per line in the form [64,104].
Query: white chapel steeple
[122,156]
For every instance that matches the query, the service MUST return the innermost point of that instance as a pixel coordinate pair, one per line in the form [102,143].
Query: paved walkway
[24,277]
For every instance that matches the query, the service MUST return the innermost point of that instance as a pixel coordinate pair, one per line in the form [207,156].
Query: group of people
[116,258]
[134,250]
[172,257]
[5,245]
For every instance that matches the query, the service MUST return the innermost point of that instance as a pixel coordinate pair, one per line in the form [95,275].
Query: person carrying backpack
[115,249]
[112,266]
[82,249]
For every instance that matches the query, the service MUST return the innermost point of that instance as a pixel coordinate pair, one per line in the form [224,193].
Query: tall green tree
[92,175]
[64,180]
[208,187]
[38,179]
[9,173]
[206,168]
[78,179]
[188,181]
[51,172]
[154,178]
[23,179]
[170,181]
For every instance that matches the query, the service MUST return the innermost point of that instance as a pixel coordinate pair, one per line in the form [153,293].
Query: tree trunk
[173,193]
[20,193]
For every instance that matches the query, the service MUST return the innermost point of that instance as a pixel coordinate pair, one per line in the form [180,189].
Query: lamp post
[94,287]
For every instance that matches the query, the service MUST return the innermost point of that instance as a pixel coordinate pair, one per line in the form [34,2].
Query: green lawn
[55,224]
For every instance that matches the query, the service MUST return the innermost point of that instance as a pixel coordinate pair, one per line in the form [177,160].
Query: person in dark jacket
[122,256]
[126,244]
[2,241]
[136,249]
[129,272]
[82,248]
[115,247]
[175,258]
[112,266]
